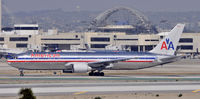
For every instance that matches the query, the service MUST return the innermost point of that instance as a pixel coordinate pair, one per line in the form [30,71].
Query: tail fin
[169,44]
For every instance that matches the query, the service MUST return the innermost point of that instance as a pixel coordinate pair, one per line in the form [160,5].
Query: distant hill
[80,20]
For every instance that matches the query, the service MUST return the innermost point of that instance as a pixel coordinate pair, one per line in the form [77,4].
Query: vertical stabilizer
[169,44]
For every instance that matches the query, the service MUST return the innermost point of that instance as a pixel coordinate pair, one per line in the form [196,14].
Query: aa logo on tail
[167,45]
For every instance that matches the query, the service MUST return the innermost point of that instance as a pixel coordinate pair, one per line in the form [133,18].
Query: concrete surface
[100,88]
[161,82]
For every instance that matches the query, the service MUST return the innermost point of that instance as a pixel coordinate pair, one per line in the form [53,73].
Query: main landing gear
[92,73]
[21,71]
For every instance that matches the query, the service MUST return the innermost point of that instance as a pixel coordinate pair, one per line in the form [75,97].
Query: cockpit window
[11,57]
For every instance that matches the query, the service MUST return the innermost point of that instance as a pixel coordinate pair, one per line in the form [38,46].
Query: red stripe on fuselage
[67,61]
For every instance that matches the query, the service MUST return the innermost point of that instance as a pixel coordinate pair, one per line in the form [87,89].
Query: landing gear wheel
[91,74]
[21,72]
[96,74]
[101,73]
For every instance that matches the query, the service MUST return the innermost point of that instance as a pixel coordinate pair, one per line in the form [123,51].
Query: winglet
[169,44]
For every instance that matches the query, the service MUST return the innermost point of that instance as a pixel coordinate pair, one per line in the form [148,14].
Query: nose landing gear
[21,72]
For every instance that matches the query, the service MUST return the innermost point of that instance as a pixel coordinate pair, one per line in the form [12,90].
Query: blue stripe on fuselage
[87,58]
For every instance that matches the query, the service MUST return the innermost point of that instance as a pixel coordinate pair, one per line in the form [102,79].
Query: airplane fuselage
[58,60]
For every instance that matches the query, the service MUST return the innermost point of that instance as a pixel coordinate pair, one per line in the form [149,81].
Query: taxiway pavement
[100,88]
[182,76]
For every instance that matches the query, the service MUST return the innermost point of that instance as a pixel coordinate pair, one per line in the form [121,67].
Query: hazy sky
[101,5]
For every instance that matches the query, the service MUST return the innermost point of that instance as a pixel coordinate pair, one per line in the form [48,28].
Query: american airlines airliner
[95,62]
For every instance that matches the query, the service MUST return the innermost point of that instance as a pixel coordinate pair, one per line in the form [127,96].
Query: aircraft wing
[107,62]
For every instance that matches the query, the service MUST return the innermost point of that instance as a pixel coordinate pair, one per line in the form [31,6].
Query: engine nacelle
[78,68]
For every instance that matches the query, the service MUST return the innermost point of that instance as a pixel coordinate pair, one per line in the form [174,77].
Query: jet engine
[77,68]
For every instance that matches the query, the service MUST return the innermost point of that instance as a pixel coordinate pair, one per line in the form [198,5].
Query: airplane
[94,62]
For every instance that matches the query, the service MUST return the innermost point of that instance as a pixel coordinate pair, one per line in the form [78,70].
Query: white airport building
[28,36]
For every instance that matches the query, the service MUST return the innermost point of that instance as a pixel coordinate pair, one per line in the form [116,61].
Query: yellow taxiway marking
[78,93]
[196,90]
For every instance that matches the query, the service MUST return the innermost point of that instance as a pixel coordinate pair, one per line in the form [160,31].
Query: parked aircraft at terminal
[95,62]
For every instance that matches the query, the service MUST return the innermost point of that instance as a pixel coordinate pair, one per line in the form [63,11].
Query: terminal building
[28,36]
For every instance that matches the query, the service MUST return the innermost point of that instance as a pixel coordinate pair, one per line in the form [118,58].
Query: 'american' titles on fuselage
[45,55]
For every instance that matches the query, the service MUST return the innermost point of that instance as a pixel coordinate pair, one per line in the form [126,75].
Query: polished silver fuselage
[58,60]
